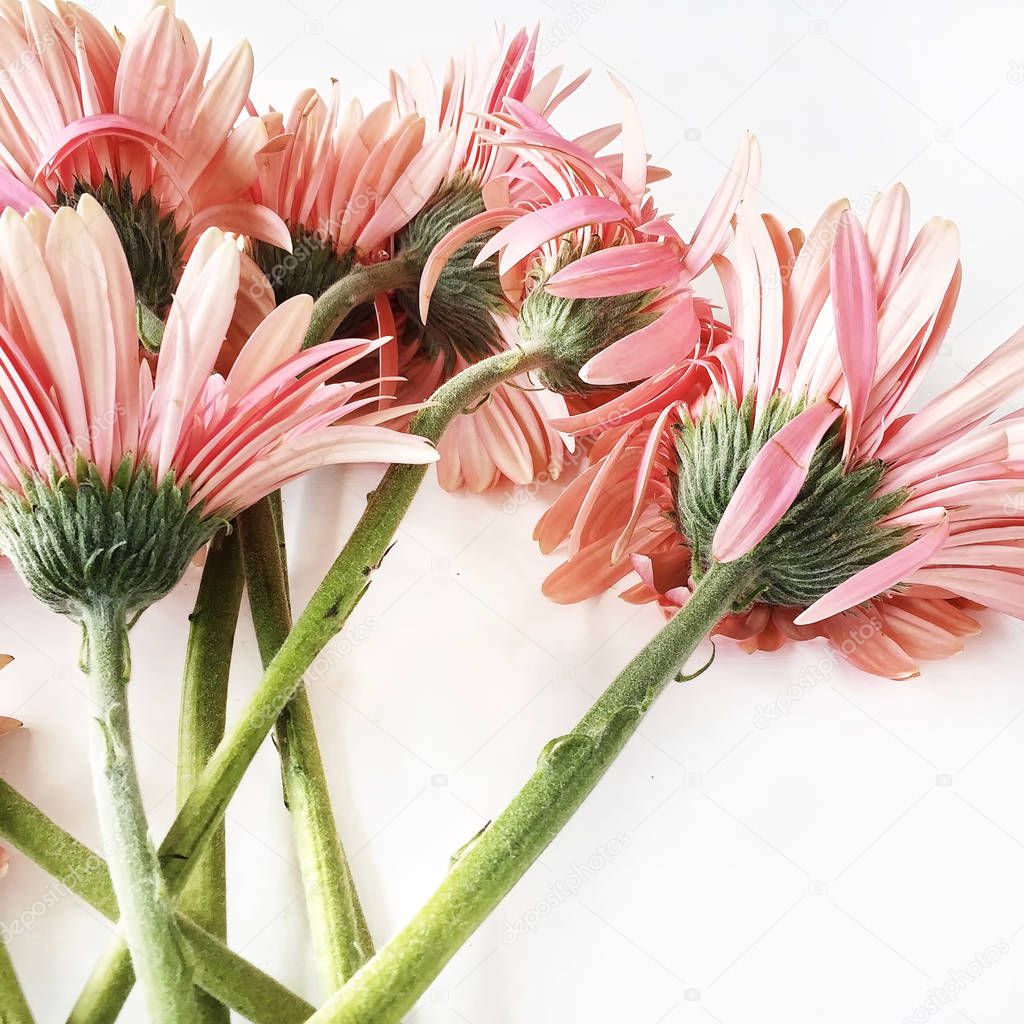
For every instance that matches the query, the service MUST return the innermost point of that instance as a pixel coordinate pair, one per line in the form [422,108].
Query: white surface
[834,866]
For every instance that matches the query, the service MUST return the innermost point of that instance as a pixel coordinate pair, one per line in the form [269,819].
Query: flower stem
[360,285]
[147,918]
[204,696]
[325,615]
[226,976]
[13,1007]
[341,938]
[568,769]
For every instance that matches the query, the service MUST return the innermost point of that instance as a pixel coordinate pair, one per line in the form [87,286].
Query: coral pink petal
[861,640]
[670,340]
[771,483]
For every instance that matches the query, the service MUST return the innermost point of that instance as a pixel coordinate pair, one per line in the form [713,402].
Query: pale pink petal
[771,482]
[855,304]
[618,270]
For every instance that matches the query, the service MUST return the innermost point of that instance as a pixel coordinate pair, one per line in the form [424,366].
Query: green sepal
[573,331]
[153,244]
[831,531]
[466,297]
[310,268]
[78,542]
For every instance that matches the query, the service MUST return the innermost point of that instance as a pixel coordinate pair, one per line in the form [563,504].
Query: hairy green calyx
[79,543]
[832,530]
[573,331]
[465,299]
[310,268]
[152,241]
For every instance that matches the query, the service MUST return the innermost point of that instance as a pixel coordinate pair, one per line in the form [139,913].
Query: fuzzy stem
[147,917]
[568,769]
[204,696]
[13,1006]
[325,615]
[360,285]
[341,939]
[226,976]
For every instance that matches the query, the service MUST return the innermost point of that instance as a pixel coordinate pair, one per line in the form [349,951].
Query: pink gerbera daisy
[368,197]
[875,528]
[139,123]
[83,417]
[588,264]
[112,477]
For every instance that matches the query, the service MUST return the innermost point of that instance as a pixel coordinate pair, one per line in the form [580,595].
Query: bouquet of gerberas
[199,304]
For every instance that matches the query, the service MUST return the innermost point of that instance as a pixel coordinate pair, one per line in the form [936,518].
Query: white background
[835,865]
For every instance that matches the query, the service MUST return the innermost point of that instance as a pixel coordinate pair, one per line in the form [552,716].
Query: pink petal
[713,230]
[634,150]
[618,270]
[855,304]
[452,242]
[18,196]
[878,578]
[668,341]
[518,240]
[244,218]
[888,232]
[410,193]
[771,483]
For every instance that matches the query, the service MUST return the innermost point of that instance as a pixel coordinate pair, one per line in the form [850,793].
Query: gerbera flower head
[560,205]
[858,521]
[594,271]
[387,186]
[111,475]
[136,122]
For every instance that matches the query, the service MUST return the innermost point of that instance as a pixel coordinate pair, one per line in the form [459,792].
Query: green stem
[360,285]
[147,917]
[204,697]
[341,939]
[325,615]
[13,1007]
[567,771]
[226,976]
